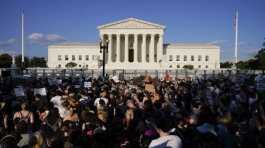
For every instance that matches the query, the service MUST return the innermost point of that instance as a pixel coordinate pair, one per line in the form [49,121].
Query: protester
[220,111]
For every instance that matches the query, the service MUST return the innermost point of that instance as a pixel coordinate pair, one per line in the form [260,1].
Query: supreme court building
[135,44]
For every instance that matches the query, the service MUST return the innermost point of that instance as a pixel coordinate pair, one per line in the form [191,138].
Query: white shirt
[57,102]
[96,102]
[171,141]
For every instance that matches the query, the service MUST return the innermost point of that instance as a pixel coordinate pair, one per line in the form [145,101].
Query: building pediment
[131,23]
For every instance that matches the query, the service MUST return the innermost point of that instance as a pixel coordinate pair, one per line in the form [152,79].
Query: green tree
[18,61]
[242,65]
[258,62]
[5,60]
[190,67]
[70,65]
[253,64]
[260,57]
[226,64]
[38,62]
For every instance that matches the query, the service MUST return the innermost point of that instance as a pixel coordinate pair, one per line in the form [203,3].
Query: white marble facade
[135,44]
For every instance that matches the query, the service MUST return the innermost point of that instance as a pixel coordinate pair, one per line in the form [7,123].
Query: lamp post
[103,49]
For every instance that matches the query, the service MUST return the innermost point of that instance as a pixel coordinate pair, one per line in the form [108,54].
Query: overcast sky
[190,21]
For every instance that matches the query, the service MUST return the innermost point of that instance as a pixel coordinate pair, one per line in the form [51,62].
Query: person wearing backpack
[24,114]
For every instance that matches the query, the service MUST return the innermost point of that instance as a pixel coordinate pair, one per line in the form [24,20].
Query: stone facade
[135,44]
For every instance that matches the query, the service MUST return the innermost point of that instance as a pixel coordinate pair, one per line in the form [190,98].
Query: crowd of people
[220,112]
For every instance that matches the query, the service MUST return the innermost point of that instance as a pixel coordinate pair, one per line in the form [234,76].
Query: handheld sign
[19,91]
[41,91]
[87,84]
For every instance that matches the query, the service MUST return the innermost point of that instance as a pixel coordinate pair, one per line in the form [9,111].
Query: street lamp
[103,49]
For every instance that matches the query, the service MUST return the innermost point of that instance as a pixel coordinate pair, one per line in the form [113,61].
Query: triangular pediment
[131,23]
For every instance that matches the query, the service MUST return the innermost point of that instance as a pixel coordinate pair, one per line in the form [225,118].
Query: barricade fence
[123,73]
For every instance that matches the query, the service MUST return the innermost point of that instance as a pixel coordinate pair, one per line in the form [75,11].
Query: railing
[126,74]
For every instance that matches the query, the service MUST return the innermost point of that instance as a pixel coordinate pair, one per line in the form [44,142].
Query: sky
[187,21]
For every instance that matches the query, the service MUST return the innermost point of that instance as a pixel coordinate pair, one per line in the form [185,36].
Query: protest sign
[41,91]
[19,91]
[87,84]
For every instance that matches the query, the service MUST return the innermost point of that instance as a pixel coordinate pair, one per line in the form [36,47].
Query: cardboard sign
[41,91]
[150,88]
[19,92]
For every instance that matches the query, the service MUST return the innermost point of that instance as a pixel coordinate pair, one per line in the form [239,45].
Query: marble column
[135,46]
[160,48]
[118,58]
[110,49]
[152,48]
[126,49]
[143,48]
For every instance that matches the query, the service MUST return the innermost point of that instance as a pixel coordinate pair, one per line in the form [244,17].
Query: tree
[243,65]
[258,62]
[5,60]
[18,61]
[70,65]
[226,64]
[260,57]
[190,67]
[38,62]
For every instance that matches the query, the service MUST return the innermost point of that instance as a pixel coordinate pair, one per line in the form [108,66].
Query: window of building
[206,58]
[170,58]
[185,58]
[79,65]
[73,57]
[59,57]
[199,66]
[86,66]
[87,57]
[59,65]
[170,66]
[80,57]
[206,66]
[94,57]
[178,66]
[66,58]
[199,58]
[177,58]
[192,58]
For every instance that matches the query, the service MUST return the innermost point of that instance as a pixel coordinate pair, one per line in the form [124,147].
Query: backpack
[25,118]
